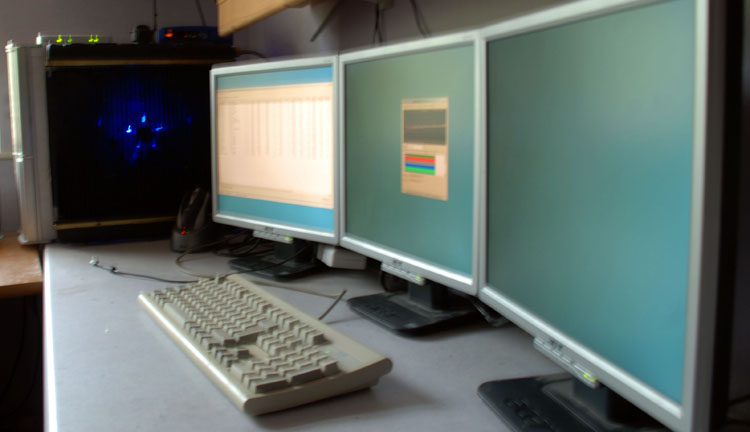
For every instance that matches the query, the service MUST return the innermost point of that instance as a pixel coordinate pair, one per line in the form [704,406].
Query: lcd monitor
[273,158]
[409,135]
[600,236]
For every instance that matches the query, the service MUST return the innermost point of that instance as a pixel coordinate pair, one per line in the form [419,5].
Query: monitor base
[421,310]
[284,262]
[561,402]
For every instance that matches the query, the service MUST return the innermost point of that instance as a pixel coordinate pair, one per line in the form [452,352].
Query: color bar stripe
[420,158]
[420,170]
[420,165]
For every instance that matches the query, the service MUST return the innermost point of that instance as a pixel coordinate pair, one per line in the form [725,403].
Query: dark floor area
[21,406]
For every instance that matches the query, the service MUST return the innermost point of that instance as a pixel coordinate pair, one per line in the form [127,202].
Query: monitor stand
[561,402]
[422,309]
[285,261]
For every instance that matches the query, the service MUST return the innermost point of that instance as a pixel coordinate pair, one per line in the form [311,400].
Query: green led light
[91,38]
[96,38]
[70,39]
[289,239]
[420,279]
[590,377]
[59,39]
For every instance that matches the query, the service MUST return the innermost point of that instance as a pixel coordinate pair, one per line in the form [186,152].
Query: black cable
[383,35]
[419,18]
[490,315]
[376,30]
[246,248]
[200,12]
[379,25]
[304,249]
[112,269]
[154,28]
[214,243]
[231,247]
[421,22]
[252,52]
[333,305]
[328,17]
[222,242]
[254,270]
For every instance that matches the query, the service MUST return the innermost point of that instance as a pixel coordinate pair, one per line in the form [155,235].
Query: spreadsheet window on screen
[275,145]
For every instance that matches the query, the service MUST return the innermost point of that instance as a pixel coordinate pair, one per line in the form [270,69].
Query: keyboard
[263,353]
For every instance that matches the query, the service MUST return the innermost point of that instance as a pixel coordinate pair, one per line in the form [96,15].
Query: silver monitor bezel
[694,410]
[269,226]
[392,257]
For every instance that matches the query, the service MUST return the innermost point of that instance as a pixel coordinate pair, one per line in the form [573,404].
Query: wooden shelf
[236,14]
[20,271]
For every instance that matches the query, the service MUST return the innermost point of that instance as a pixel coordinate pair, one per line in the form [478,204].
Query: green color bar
[421,170]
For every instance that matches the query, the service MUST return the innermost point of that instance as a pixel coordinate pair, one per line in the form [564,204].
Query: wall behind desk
[20,22]
[352,26]
[284,34]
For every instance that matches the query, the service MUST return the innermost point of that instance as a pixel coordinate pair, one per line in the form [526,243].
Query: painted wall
[284,34]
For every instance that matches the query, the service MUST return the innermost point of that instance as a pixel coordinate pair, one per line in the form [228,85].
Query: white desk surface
[109,367]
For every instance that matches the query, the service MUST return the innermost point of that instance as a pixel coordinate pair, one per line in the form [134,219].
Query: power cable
[328,17]
[419,18]
[200,12]
[154,27]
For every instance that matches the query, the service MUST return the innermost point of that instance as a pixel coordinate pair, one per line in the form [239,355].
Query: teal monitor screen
[274,147]
[409,159]
[590,171]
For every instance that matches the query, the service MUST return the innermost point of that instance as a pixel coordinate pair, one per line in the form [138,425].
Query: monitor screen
[596,166]
[274,148]
[409,144]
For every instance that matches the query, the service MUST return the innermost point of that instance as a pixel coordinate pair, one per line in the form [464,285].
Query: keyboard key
[269,383]
[304,375]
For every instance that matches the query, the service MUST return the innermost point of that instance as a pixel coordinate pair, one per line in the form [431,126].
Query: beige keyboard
[263,353]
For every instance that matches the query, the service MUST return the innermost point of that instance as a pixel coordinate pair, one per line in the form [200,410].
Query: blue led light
[129,129]
[143,118]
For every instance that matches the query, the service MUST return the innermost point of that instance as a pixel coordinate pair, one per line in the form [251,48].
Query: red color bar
[420,159]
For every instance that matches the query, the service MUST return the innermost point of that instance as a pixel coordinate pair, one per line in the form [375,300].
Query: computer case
[107,139]
[28,118]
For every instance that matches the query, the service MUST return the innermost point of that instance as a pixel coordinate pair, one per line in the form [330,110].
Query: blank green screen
[432,230]
[590,140]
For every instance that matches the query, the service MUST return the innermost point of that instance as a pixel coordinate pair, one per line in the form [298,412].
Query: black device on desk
[194,228]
